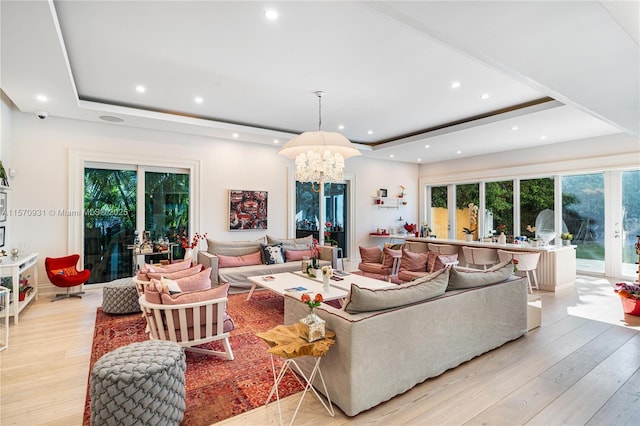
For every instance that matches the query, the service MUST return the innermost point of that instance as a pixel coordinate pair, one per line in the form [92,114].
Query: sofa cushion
[243,260]
[443,259]
[371,254]
[199,281]
[365,300]
[199,296]
[172,267]
[292,243]
[467,279]
[272,253]
[234,248]
[174,275]
[293,255]
[416,262]
[388,256]
[169,286]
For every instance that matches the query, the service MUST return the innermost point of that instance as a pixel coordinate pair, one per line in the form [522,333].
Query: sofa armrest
[207,260]
[329,253]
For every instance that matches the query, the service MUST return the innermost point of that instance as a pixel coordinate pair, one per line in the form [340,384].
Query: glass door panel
[167,208]
[109,222]
[536,205]
[439,212]
[499,208]
[307,211]
[335,229]
[630,221]
[467,202]
[583,214]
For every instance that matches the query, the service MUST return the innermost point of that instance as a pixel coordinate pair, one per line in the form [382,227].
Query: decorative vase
[313,272]
[502,239]
[312,327]
[468,237]
[566,242]
[305,264]
[325,283]
[188,253]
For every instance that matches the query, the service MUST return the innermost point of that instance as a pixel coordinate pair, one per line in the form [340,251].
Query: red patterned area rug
[216,389]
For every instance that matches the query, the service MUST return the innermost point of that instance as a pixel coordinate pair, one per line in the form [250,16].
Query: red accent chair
[62,272]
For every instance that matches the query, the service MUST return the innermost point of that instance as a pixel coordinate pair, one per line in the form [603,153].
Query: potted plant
[533,242]
[566,238]
[630,296]
[468,233]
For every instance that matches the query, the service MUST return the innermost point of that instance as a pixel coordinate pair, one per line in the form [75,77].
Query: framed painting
[382,192]
[247,210]
[3,206]
[2,229]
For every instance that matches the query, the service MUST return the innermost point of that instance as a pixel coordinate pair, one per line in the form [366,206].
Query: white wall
[40,156]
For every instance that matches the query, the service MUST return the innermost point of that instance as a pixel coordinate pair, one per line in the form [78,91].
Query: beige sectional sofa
[233,261]
[382,353]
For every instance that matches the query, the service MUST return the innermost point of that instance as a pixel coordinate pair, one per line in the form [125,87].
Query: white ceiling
[384,66]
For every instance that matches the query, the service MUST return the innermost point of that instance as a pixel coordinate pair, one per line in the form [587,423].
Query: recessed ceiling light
[391,155]
[514,128]
[235,135]
[341,127]
[427,146]
[419,159]
[42,98]
[276,141]
[140,88]
[198,100]
[455,85]
[370,132]
[485,96]
[543,137]
[458,152]
[271,14]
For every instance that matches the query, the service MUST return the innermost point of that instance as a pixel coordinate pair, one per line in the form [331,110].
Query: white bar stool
[527,262]
[480,256]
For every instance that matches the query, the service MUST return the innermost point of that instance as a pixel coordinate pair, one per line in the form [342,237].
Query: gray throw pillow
[234,248]
[302,243]
[463,279]
[418,290]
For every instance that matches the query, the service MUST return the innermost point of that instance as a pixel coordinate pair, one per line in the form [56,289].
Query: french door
[122,199]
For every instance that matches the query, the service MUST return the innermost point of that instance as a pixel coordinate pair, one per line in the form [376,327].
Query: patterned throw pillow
[272,253]
[70,271]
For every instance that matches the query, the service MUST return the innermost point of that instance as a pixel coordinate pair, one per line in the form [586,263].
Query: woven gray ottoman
[139,384]
[120,297]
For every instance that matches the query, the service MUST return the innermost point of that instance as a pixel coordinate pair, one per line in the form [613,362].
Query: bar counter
[556,266]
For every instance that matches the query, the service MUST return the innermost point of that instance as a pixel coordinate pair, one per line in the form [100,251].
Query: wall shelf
[389,202]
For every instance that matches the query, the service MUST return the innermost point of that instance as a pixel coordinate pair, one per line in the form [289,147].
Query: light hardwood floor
[581,367]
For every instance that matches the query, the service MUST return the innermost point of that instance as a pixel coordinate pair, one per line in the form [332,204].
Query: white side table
[17,265]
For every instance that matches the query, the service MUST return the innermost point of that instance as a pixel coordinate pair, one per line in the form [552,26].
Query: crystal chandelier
[319,155]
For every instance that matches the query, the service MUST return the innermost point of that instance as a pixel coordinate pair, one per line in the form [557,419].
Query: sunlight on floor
[597,301]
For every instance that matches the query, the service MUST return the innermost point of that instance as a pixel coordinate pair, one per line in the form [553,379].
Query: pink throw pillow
[415,262]
[371,254]
[244,260]
[292,255]
[175,275]
[444,258]
[199,281]
[388,257]
[152,293]
[432,256]
[172,267]
[196,296]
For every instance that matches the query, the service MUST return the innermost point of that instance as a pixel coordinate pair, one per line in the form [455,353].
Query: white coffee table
[296,285]
[359,280]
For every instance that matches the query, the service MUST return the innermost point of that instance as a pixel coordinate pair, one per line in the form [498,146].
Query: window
[537,198]
[439,211]
[499,207]
[467,203]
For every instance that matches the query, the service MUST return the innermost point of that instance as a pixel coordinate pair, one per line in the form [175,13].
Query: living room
[44,159]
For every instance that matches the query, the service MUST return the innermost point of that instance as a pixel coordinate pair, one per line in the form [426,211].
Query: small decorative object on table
[314,264]
[327,273]
[189,245]
[630,296]
[502,239]
[468,233]
[312,326]
[566,238]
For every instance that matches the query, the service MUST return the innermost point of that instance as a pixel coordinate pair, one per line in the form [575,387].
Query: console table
[14,266]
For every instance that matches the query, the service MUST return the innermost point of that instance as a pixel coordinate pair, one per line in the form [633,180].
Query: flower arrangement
[313,264]
[312,303]
[628,290]
[468,231]
[327,270]
[327,233]
[473,214]
[410,228]
[566,236]
[531,230]
[184,241]
[501,229]
[402,191]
